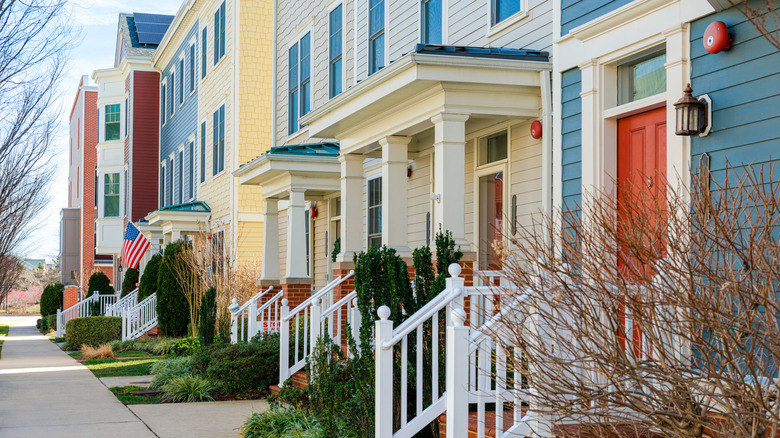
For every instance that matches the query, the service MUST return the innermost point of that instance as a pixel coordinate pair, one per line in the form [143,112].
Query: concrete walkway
[44,392]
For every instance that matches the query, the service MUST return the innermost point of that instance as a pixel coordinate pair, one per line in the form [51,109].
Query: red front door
[641,191]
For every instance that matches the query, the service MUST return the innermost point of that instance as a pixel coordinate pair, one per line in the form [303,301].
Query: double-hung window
[162,105]
[376,35]
[219,33]
[111,195]
[431,22]
[192,67]
[127,114]
[180,181]
[218,149]
[203,52]
[162,185]
[172,86]
[181,80]
[112,122]
[192,169]
[169,191]
[374,190]
[203,152]
[500,10]
[299,97]
[335,71]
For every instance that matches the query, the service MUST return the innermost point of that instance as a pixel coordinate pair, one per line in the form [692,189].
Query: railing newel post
[356,320]
[284,342]
[383,407]
[457,375]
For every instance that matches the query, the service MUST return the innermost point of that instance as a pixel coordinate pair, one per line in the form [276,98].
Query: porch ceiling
[401,98]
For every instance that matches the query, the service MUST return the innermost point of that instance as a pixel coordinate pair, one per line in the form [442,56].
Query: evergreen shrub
[100,283]
[129,282]
[172,305]
[93,330]
[148,283]
[207,322]
[51,299]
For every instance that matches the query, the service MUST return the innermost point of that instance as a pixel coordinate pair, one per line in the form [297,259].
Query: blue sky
[97,21]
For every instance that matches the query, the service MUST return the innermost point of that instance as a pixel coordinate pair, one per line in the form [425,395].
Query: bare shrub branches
[766,20]
[657,318]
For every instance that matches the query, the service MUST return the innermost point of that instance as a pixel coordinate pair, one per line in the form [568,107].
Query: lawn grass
[3,332]
[121,368]
[123,394]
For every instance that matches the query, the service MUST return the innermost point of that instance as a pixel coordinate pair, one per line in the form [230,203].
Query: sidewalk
[44,392]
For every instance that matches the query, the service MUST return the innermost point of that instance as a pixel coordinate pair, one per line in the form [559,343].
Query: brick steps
[299,379]
[490,424]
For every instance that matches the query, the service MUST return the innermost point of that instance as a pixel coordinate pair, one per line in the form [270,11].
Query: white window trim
[294,41]
[192,48]
[204,73]
[173,91]
[445,34]
[102,192]
[495,29]
[370,176]
[386,34]
[103,121]
[223,103]
[180,154]
[163,192]
[183,77]
[193,139]
[225,55]
[205,159]
[172,160]
[331,7]
[164,83]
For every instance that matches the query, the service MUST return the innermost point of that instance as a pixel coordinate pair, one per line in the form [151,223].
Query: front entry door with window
[641,172]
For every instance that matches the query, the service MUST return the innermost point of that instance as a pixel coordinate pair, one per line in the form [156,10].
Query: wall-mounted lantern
[694,114]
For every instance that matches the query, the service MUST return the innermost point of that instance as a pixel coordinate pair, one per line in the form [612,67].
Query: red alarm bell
[536,129]
[716,38]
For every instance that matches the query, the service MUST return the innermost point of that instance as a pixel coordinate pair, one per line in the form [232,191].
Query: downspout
[547,147]
[274,78]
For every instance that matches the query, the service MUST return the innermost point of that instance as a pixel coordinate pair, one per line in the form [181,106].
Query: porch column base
[296,290]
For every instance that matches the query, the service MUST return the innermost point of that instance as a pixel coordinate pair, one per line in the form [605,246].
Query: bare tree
[766,20]
[655,318]
[34,41]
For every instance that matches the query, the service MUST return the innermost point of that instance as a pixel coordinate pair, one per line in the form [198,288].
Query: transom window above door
[492,148]
[641,77]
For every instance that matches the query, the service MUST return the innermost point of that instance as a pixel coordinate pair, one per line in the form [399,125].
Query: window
[172,97]
[203,152]
[192,67]
[169,190]
[431,22]
[299,97]
[375,212]
[503,9]
[376,36]
[111,195]
[180,198]
[219,33]
[127,111]
[643,77]
[192,169]
[217,250]
[112,122]
[162,105]
[307,234]
[493,148]
[218,146]
[491,218]
[335,67]
[162,185]
[203,53]
[181,80]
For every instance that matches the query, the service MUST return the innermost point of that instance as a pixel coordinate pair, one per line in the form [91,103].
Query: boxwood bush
[148,283]
[93,330]
[172,305]
[99,283]
[51,299]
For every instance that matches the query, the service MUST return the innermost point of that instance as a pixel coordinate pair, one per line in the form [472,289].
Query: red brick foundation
[70,297]
[296,293]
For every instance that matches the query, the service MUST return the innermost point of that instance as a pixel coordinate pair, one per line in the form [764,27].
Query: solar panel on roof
[152,18]
[151,27]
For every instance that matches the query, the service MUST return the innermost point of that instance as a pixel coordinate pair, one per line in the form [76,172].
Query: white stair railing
[249,319]
[127,301]
[94,305]
[387,339]
[332,322]
[140,318]
[297,323]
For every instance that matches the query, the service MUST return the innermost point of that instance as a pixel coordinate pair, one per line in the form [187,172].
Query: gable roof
[130,43]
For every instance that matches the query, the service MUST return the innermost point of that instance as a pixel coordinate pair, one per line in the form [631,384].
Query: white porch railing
[139,319]
[127,301]
[246,321]
[94,305]
[297,323]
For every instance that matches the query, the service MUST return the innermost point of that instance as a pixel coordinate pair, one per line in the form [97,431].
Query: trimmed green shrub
[100,283]
[185,346]
[241,370]
[172,305]
[93,330]
[279,422]
[167,369]
[38,323]
[51,299]
[44,325]
[381,278]
[129,282]
[156,345]
[51,321]
[207,322]
[148,283]
[188,388]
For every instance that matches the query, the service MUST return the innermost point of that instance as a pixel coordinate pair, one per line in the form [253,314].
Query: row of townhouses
[282,127]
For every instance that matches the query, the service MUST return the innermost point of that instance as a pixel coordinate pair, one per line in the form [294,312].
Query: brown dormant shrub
[104,351]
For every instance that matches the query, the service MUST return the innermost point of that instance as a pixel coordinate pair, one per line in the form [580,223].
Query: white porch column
[449,149]
[351,206]
[296,235]
[270,240]
[394,193]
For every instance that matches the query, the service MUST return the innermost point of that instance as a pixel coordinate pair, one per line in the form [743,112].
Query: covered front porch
[300,187]
[441,140]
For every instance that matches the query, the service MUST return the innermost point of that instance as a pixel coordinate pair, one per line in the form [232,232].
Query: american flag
[134,246]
